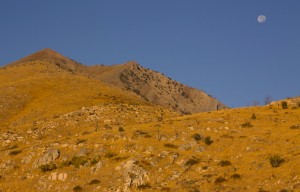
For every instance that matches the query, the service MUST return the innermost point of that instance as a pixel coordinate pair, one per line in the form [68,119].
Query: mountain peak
[50,57]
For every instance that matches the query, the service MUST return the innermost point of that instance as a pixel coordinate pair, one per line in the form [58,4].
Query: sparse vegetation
[295,126]
[80,141]
[77,161]
[94,182]
[219,180]
[246,125]
[208,140]
[47,167]
[15,152]
[236,176]
[170,145]
[253,117]
[197,137]
[77,188]
[192,161]
[276,160]
[224,163]
[284,105]
[144,186]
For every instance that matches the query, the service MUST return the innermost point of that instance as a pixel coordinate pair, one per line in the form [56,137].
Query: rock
[133,174]
[48,157]
[185,147]
[83,152]
[62,176]
[58,176]
[53,176]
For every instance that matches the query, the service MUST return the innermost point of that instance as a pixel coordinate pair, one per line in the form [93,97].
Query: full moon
[261,19]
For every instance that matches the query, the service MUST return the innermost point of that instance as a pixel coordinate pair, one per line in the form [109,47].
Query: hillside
[66,130]
[150,85]
[156,87]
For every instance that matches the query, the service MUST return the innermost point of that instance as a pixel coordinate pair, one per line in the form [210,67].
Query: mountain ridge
[151,85]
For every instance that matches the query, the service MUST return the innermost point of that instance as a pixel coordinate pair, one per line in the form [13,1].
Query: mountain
[150,85]
[156,87]
[63,129]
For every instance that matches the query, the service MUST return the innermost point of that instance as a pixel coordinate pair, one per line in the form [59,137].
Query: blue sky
[213,45]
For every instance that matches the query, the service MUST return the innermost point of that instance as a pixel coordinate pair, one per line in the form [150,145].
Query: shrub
[253,117]
[77,188]
[295,126]
[224,163]
[121,129]
[110,154]
[78,161]
[284,105]
[220,180]
[197,137]
[276,160]
[144,186]
[235,176]
[80,141]
[94,182]
[15,152]
[192,161]
[246,125]
[208,140]
[47,167]
[169,145]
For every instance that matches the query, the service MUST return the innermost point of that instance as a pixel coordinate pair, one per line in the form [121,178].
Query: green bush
[284,105]
[15,152]
[94,182]
[77,188]
[208,140]
[246,125]
[47,167]
[144,186]
[78,161]
[235,176]
[192,161]
[197,137]
[220,180]
[169,145]
[276,160]
[224,163]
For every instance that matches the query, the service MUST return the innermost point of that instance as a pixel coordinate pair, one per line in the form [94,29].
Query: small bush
[94,182]
[219,180]
[121,129]
[15,152]
[276,160]
[192,161]
[78,161]
[77,188]
[110,154]
[197,137]
[284,105]
[169,145]
[235,176]
[144,186]
[253,117]
[246,125]
[295,126]
[80,141]
[47,167]
[224,163]
[208,140]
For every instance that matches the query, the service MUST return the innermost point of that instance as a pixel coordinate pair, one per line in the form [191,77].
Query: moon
[261,19]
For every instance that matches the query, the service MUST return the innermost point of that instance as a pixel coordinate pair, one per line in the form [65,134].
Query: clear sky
[213,45]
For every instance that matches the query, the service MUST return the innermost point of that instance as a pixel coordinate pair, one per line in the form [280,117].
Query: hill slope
[150,85]
[156,87]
